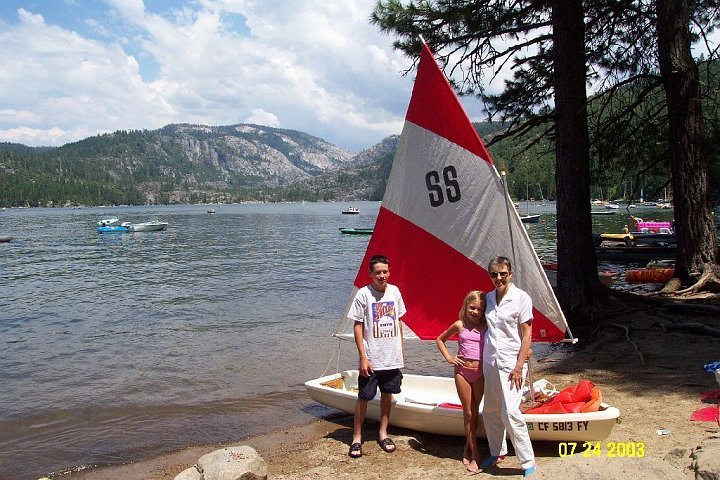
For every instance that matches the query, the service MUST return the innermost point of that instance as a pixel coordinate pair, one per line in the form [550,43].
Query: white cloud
[259,116]
[309,65]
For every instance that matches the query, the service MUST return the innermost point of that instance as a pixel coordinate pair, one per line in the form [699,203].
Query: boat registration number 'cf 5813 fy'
[558,426]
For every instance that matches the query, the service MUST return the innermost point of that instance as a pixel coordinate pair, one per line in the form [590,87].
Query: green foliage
[143,167]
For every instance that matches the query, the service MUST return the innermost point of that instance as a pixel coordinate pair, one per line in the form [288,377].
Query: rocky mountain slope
[175,164]
[185,163]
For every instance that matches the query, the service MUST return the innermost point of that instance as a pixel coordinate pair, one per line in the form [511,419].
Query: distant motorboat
[612,206]
[5,238]
[108,221]
[110,225]
[356,231]
[113,229]
[351,211]
[211,210]
[151,226]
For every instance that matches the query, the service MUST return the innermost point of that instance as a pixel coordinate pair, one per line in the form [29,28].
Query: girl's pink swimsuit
[470,348]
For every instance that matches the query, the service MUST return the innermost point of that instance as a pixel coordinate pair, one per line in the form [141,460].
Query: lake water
[115,348]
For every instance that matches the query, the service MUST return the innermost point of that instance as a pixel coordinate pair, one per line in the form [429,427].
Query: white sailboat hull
[429,404]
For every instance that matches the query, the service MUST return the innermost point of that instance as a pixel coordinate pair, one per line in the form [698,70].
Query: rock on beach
[231,463]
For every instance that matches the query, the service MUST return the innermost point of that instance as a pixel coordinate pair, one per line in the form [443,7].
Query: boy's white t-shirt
[380,313]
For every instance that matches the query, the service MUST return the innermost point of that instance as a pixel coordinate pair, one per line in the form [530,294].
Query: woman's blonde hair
[473,296]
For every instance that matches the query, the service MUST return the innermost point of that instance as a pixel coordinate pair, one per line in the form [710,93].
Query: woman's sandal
[355,450]
[387,445]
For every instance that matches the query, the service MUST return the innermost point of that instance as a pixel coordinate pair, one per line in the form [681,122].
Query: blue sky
[76,68]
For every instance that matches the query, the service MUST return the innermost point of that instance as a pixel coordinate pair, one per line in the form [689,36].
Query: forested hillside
[193,164]
[201,164]
[175,164]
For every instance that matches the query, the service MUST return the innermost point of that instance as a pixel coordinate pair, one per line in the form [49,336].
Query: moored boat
[606,277]
[108,221]
[651,241]
[110,225]
[530,218]
[5,238]
[356,231]
[113,229]
[151,226]
[633,239]
[351,211]
[623,253]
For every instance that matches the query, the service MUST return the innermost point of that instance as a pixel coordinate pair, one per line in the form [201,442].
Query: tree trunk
[577,266]
[694,224]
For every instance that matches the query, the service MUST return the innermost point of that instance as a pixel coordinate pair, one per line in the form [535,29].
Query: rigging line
[337,364]
[503,181]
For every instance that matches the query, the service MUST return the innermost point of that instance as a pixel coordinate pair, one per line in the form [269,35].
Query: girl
[469,381]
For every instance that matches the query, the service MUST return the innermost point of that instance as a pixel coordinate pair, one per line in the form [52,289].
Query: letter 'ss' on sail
[444,216]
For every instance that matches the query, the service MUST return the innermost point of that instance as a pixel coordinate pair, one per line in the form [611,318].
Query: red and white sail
[445,215]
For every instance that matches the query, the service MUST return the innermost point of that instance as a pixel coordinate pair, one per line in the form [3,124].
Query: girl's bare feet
[467,455]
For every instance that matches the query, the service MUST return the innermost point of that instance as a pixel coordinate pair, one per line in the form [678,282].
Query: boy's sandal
[355,450]
[387,445]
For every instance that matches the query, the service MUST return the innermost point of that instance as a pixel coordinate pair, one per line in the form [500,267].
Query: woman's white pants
[501,414]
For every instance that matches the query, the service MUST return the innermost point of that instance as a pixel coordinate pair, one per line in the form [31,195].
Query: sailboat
[445,214]
[528,217]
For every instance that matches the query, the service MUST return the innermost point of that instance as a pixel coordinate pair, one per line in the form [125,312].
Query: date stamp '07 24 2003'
[602,449]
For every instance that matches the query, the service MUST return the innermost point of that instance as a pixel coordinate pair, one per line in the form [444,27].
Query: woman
[507,343]
[470,329]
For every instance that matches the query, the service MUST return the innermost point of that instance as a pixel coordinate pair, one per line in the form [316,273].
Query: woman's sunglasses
[499,274]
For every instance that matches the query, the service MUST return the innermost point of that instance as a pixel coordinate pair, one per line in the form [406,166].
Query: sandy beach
[646,365]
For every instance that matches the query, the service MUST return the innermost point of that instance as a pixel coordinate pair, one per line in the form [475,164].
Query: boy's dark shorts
[389,381]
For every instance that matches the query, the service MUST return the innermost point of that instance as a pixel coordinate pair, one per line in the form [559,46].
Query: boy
[376,311]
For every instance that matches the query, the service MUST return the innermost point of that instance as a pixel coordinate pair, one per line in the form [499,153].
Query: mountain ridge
[192,163]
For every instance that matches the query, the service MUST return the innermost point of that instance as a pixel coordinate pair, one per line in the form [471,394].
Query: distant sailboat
[528,218]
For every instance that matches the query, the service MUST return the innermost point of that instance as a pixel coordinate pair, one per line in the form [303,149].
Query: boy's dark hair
[378,259]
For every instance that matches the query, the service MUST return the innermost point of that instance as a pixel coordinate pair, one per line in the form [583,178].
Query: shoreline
[168,465]
[652,374]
